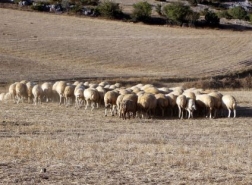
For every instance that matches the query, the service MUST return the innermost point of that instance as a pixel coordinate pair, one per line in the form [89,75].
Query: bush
[250,17]
[212,18]
[179,13]
[193,2]
[159,9]
[141,11]
[237,12]
[90,2]
[224,14]
[109,9]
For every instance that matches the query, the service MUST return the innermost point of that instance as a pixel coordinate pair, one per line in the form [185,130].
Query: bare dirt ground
[84,147]
[46,46]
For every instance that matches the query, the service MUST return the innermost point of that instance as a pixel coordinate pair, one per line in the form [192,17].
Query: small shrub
[193,2]
[224,14]
[237,12]
[250,18]
[178,13]
[141,11]
[109,9]
[90,2]
[212,18]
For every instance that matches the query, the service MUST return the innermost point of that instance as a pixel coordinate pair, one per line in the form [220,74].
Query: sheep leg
[229,113]
[189,113]
[234,113]
[179,112]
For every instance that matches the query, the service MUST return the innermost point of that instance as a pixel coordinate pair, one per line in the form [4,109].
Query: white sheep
[172,103]
[60,87]
[205,102]
[181,103]
[128,106]
[217,101]
[92,97]
[68,94]
[47,91]
[147,104]
[29,86]
[162,102]
[190,107]
[118,103]
[12,91]
[229,102]
[110,98]
[37,92]
[2,96]
[21,92]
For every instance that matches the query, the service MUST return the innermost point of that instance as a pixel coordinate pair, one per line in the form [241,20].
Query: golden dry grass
[53,46]
[84,147]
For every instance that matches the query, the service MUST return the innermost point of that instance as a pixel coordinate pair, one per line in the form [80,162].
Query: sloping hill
[45,46]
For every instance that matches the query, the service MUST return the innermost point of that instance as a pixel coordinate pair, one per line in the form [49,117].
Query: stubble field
[84,147]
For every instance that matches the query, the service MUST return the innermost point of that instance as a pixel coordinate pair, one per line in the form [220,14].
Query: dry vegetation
[50,46]
[83,147]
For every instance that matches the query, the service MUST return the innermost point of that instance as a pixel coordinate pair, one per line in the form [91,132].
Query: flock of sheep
[139,100]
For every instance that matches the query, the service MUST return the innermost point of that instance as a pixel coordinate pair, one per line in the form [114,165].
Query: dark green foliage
[212,18]
[224,14]
[250,18]
[109,9]
[141,11]
[237,12]
[89,2]
[179,13]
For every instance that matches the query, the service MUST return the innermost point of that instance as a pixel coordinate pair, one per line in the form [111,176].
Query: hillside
[42,46]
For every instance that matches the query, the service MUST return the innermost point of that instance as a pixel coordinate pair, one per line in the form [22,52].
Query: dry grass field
[84,147]
[45,46]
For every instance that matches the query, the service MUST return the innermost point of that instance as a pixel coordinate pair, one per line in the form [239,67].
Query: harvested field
[52,144]
[84,147]
[53,46]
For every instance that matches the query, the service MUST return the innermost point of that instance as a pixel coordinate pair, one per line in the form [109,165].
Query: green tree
[178,13]
[237,12]
[212,18]
[109,9]
[141,11]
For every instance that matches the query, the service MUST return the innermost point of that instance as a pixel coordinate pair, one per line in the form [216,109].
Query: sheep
[164,90]
[68,94]
[229,102]
[118,103]
[151,90]
[59,88]
[162,102]
[30,86]
[126,107]
[7,96]
[146,103]
[93,85]
[217,101]
[181,103]
[101,90]
[118,85]
[189,94]
[12,91]
[2,96]
[21,92]
[190,107]
[172,103]
[47,91]
[133,98]
[103,84]
[37,92]
[23,81]
[124,91]
[92,97]
[206,102]
[79,96]
[110,98]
